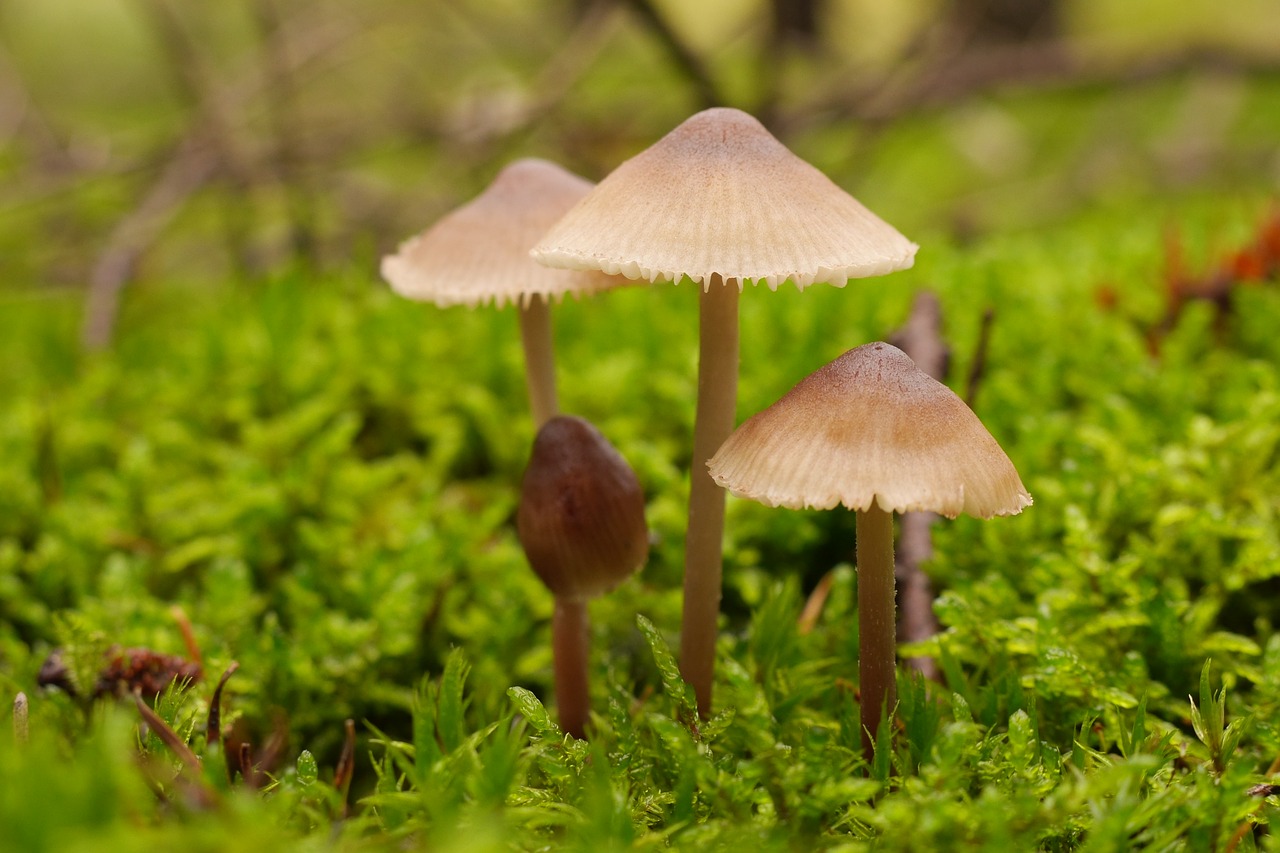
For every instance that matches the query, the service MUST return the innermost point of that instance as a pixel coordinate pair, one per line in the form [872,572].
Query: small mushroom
[874,433]
[721,201]
[479,254]
[581,523]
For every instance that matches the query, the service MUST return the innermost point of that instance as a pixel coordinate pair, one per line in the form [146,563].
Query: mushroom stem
[570,644]
[539,358]
[717,401]
[877,641]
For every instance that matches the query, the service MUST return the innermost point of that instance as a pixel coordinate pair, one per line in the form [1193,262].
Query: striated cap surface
[870,426]
[479,253]
[720,195]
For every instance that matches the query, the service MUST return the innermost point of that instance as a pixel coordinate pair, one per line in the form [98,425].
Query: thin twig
[346,765]
[194,161]
[190,167]
[687,62]
[21,730]
[978,367]
[921,339]
[188,633]
[1041,64]
[206,98]
[213,727]
[170,738]
[287,153]
[814,604]
[50,149]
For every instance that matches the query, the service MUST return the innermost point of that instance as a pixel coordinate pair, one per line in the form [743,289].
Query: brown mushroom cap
[720,195]
[581,514]
[479,253]
[870,426]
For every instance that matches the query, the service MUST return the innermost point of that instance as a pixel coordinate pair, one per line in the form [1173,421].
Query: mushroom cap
[871,426]
[720,195]
[581,514]
[479,253]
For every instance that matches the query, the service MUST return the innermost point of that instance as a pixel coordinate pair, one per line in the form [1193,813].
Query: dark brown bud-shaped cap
[871,427]
[581,516]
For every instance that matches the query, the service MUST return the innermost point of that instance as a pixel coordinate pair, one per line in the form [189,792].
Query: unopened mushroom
[875,434]
[721,201]
[581,523]
[479,254]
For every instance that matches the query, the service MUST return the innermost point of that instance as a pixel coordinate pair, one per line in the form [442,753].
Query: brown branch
[287,154]
[213,725]
[814,604]
[687,62]
[170,738]
[193,162]
[1041,65]
[346,766]
[190,167]
[25,115]
[921,339]
[206,98]
[978,367]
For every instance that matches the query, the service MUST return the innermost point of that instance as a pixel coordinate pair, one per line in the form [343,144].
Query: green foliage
[322,477]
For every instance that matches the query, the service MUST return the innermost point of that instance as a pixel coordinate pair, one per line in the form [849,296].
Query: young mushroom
[874,433]
[581,523]
[479,254]
[721,201]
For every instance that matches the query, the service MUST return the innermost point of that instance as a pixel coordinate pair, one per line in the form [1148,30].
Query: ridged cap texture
[719,195]
[479,253]
[870,426]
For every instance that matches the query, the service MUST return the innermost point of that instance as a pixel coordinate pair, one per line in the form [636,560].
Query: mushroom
[581,523]
[721,201]
[874,433]
[479,254]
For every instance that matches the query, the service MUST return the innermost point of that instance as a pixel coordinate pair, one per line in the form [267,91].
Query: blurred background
[321,473]
[192,142]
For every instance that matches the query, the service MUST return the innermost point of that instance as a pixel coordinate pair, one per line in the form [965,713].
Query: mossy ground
[323,476]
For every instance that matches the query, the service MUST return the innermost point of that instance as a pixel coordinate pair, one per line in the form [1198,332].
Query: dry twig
[921,339]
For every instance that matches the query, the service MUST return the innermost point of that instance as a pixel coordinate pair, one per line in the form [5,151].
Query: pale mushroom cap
[479,253]
[870,426]
[720,195]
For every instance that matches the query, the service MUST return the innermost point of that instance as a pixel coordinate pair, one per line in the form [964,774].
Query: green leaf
[677,689]
[529,707]
[308,772]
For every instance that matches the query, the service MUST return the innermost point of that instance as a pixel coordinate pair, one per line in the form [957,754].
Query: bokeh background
[208,397]
[194,142]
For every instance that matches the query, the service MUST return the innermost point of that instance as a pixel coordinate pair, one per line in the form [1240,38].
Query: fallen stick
[921,339]
[191,166]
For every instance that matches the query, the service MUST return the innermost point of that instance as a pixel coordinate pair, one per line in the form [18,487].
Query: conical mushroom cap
[479,253]
[581,514]
[720,195]
[870,426]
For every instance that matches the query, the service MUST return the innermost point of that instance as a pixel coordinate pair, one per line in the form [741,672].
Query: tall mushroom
[721,201]
[581,523]
[479,254]
[874,433]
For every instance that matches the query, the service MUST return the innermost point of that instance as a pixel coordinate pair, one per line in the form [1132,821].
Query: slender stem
[877,663]
[539,359]
[21,731]
[570,644]
[717,400]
